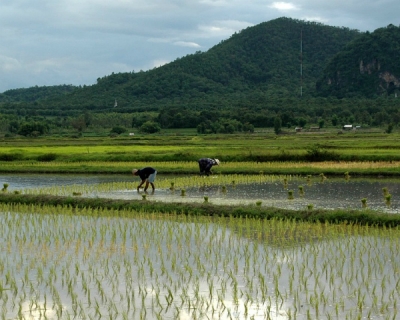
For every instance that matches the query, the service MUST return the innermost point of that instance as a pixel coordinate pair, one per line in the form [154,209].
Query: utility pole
[301,63]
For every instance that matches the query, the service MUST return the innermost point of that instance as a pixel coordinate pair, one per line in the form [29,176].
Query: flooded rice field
[63,263]
[68,263]
[291,193]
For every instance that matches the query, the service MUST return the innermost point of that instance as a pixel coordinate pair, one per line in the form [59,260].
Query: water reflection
[28,181]
[77,266]
[331,193]
[335,193]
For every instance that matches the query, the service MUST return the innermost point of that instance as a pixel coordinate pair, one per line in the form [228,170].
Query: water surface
[331,193]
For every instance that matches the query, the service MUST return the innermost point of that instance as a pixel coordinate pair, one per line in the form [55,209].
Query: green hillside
[367,67]
[36,93]
[278,74]
[259,63]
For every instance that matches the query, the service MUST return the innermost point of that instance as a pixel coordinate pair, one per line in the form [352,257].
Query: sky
[56,42]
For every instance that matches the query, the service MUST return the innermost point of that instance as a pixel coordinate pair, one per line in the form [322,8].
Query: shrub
[10,156]
[118,130]
[317,153]
[150,127]
[47,157]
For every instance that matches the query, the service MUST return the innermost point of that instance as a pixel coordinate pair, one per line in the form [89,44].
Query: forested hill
[261,63]
[367,67]
[36,93]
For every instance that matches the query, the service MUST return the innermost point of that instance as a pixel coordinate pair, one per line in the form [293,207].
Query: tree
[13,126]
[302,121]
[32,129]
[88,118]
[335,120]
[277,125]
[118,130]
[150,127]
[389,128]
[78,124]
[248,127]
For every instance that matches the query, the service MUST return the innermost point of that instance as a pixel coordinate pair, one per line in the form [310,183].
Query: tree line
[284,113]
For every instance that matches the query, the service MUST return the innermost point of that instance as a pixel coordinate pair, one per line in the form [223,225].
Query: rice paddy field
[339,168]
[179,147]
[69,263]
[83,262]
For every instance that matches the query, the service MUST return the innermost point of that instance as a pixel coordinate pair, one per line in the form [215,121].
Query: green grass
[329,168]
[169,150]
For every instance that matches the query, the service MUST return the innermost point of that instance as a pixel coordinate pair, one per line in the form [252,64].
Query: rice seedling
[65,263]
[290,195]
[5,187]
[388,198]
[285,183]
[178,182]
[259,203]
[346,175]
[205,199]
[364,202]
[301,191]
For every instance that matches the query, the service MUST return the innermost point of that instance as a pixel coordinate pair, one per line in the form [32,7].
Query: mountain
[256,65]
[36,93]
[367,67]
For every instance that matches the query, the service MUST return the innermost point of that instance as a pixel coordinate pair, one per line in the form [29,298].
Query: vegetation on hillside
[36,93]
[367,68]
[250,80]
[264,58]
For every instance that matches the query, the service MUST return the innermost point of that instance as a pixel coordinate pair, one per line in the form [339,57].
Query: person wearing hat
[147,175]
[205,165]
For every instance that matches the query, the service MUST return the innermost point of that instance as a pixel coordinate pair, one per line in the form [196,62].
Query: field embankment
[359,217]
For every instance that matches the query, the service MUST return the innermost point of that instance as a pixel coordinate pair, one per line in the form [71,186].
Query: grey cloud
[46,42]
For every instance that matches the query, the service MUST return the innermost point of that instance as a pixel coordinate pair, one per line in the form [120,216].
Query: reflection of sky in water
[96,265]
[330,194]
[117,259]
[27,181]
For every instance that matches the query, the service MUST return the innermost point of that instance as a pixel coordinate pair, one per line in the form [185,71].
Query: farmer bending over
[205,165]
[147,175]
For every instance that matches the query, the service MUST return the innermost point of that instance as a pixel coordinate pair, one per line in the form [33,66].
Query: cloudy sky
[52,42]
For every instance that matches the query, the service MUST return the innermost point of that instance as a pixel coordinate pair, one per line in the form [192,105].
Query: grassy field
[177,152]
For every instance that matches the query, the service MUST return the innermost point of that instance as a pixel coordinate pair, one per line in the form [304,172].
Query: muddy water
[331,193]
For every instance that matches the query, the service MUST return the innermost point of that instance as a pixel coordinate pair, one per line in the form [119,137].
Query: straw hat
[134,171]
[216,161]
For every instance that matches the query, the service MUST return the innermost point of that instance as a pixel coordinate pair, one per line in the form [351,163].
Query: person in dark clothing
[205,165]
[147,175]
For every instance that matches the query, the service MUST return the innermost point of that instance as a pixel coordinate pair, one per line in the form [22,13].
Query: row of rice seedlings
[386,195]
[153,266]
[192,165]
[190,182]
[176,183]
